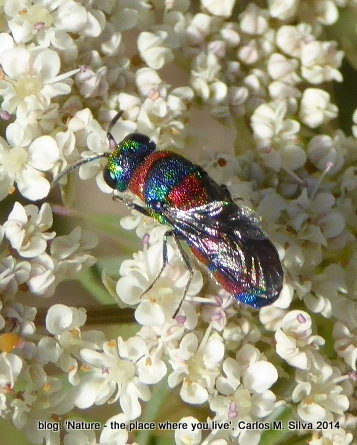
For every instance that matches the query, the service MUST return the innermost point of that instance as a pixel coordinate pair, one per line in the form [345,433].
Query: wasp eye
[141,139]
[109,179]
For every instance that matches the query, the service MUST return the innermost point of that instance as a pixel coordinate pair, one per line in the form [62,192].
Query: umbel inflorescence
[244,91]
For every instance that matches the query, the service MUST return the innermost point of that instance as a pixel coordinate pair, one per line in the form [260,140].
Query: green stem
[273,437]
[152,409]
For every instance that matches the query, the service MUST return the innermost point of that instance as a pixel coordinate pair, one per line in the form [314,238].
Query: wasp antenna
[113,122]
[78,164]
[112,141]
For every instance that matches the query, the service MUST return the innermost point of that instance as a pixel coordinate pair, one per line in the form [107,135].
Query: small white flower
[244,393]
[61,318]
[64,346]
[35,118]
[269,124]
[345,334]
[316,108]
[205,75]
[253,21]
[323,150]
[85,132]
[148,80]
[219,7]
[158,304]
[112,436]
[151,369]
[283,10]
[281,90]
[291,39]
[320,62]
[249,53]
[327,12]
[196,366]
[43,398]
[219,313]
[319,394]
[272,130]
[22,318]
[163,338]
[88,134]
[230,35]
[131,104]
[280,67]
[144,226]
[271,207]
[294,341]
[258,374]
[42,279]
[236,98]
[112,47]
[161,118]
[70,253]
[217,47]
[349,180]
[111,374]
[128,15]
[12,274]
[24,165]
[240,330]
[6,42]
[26,229]
[221,167]
[10,368]
[24,16]
[32,72]
[92,83]
[332,436]
[255,82]
[153,50]
[189,435]
[199,28]
[315,219]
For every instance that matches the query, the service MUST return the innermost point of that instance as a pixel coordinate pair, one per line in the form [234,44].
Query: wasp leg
[226,192]
[131,205]
[164,260]
[189,267]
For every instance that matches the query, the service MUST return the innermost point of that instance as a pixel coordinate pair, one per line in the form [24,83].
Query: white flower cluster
[36,260]
[66,68]
[33,262]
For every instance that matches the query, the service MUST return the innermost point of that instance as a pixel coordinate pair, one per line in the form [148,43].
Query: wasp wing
[229,240]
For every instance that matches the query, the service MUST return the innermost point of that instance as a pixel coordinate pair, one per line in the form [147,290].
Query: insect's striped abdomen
[164,176]
[169,178]
[190,192]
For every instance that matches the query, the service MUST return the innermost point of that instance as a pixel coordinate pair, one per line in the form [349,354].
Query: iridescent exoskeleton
[224,236]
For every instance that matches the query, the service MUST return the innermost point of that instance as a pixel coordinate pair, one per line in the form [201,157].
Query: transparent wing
[229,240]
